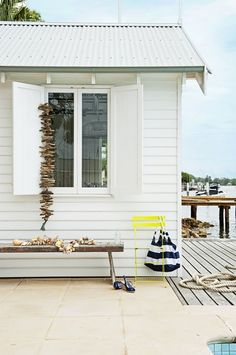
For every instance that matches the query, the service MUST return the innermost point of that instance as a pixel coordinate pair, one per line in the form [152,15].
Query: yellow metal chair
[141,222]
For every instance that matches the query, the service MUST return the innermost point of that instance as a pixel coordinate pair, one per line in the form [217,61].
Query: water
[223,349]
[211,214]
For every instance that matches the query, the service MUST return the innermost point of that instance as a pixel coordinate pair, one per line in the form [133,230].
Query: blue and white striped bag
[163,254]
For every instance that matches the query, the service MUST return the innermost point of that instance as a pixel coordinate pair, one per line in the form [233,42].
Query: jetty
[223,203]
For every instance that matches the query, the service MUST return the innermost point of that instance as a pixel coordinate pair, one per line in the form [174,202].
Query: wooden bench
[97,248]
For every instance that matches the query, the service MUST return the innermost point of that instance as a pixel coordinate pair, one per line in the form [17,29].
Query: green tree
[233,182]
[186,177]
[216,180]
[16,10]
[208,179]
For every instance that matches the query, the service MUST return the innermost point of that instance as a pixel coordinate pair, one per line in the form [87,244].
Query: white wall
[96,217]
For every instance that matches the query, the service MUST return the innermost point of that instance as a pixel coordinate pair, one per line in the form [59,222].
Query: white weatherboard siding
[96,217]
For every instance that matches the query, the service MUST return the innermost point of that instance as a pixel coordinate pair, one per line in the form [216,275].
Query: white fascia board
[202,80]
[164,69]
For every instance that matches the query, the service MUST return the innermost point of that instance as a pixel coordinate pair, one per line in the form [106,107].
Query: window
[95,154]
[80,123]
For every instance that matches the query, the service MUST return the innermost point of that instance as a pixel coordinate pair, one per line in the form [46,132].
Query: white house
[116,91]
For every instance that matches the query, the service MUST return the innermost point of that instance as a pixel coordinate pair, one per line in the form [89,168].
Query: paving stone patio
[77,316]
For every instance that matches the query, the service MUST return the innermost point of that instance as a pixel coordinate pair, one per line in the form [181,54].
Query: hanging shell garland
[47,152]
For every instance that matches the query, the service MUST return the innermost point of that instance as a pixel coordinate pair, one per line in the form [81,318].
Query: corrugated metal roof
[25,44]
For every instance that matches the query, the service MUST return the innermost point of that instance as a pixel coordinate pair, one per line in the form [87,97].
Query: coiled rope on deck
[221,282]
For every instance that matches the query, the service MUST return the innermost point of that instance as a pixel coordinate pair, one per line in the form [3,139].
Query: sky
[208,122]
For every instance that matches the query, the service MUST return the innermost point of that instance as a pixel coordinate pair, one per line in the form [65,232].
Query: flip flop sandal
[118,285]
[128,285]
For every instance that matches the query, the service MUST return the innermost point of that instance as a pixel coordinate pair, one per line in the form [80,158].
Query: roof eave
[87,23]
[40,69]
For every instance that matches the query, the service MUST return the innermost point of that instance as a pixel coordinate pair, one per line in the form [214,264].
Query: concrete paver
[86,317]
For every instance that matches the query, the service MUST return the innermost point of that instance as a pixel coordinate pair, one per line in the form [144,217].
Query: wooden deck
[205,257]
[208,201]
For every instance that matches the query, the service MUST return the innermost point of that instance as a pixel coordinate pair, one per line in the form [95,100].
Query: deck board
[205,261]
[224,252]
[230,248]
[217,265]
[186,294]
[201,295]
[205,257]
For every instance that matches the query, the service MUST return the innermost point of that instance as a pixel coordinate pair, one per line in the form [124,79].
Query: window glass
[94,140]
[63,125]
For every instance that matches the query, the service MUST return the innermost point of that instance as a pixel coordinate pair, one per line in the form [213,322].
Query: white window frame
[77,189]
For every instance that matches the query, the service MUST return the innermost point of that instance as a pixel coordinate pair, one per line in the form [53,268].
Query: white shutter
[126,140]
[26,138]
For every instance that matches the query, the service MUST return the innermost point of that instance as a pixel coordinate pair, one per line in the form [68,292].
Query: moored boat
[214,189]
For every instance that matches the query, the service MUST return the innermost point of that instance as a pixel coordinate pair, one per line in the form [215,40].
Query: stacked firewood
[47,152]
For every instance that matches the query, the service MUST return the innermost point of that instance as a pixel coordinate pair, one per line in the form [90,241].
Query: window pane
[94,140]
[63,125]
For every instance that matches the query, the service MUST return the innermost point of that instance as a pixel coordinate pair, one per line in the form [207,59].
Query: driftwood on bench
[97,248]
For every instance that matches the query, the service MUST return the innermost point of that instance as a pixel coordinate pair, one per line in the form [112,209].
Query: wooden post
[194,211]
[208,188]
[221,220]
[227,220]
[187,188]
